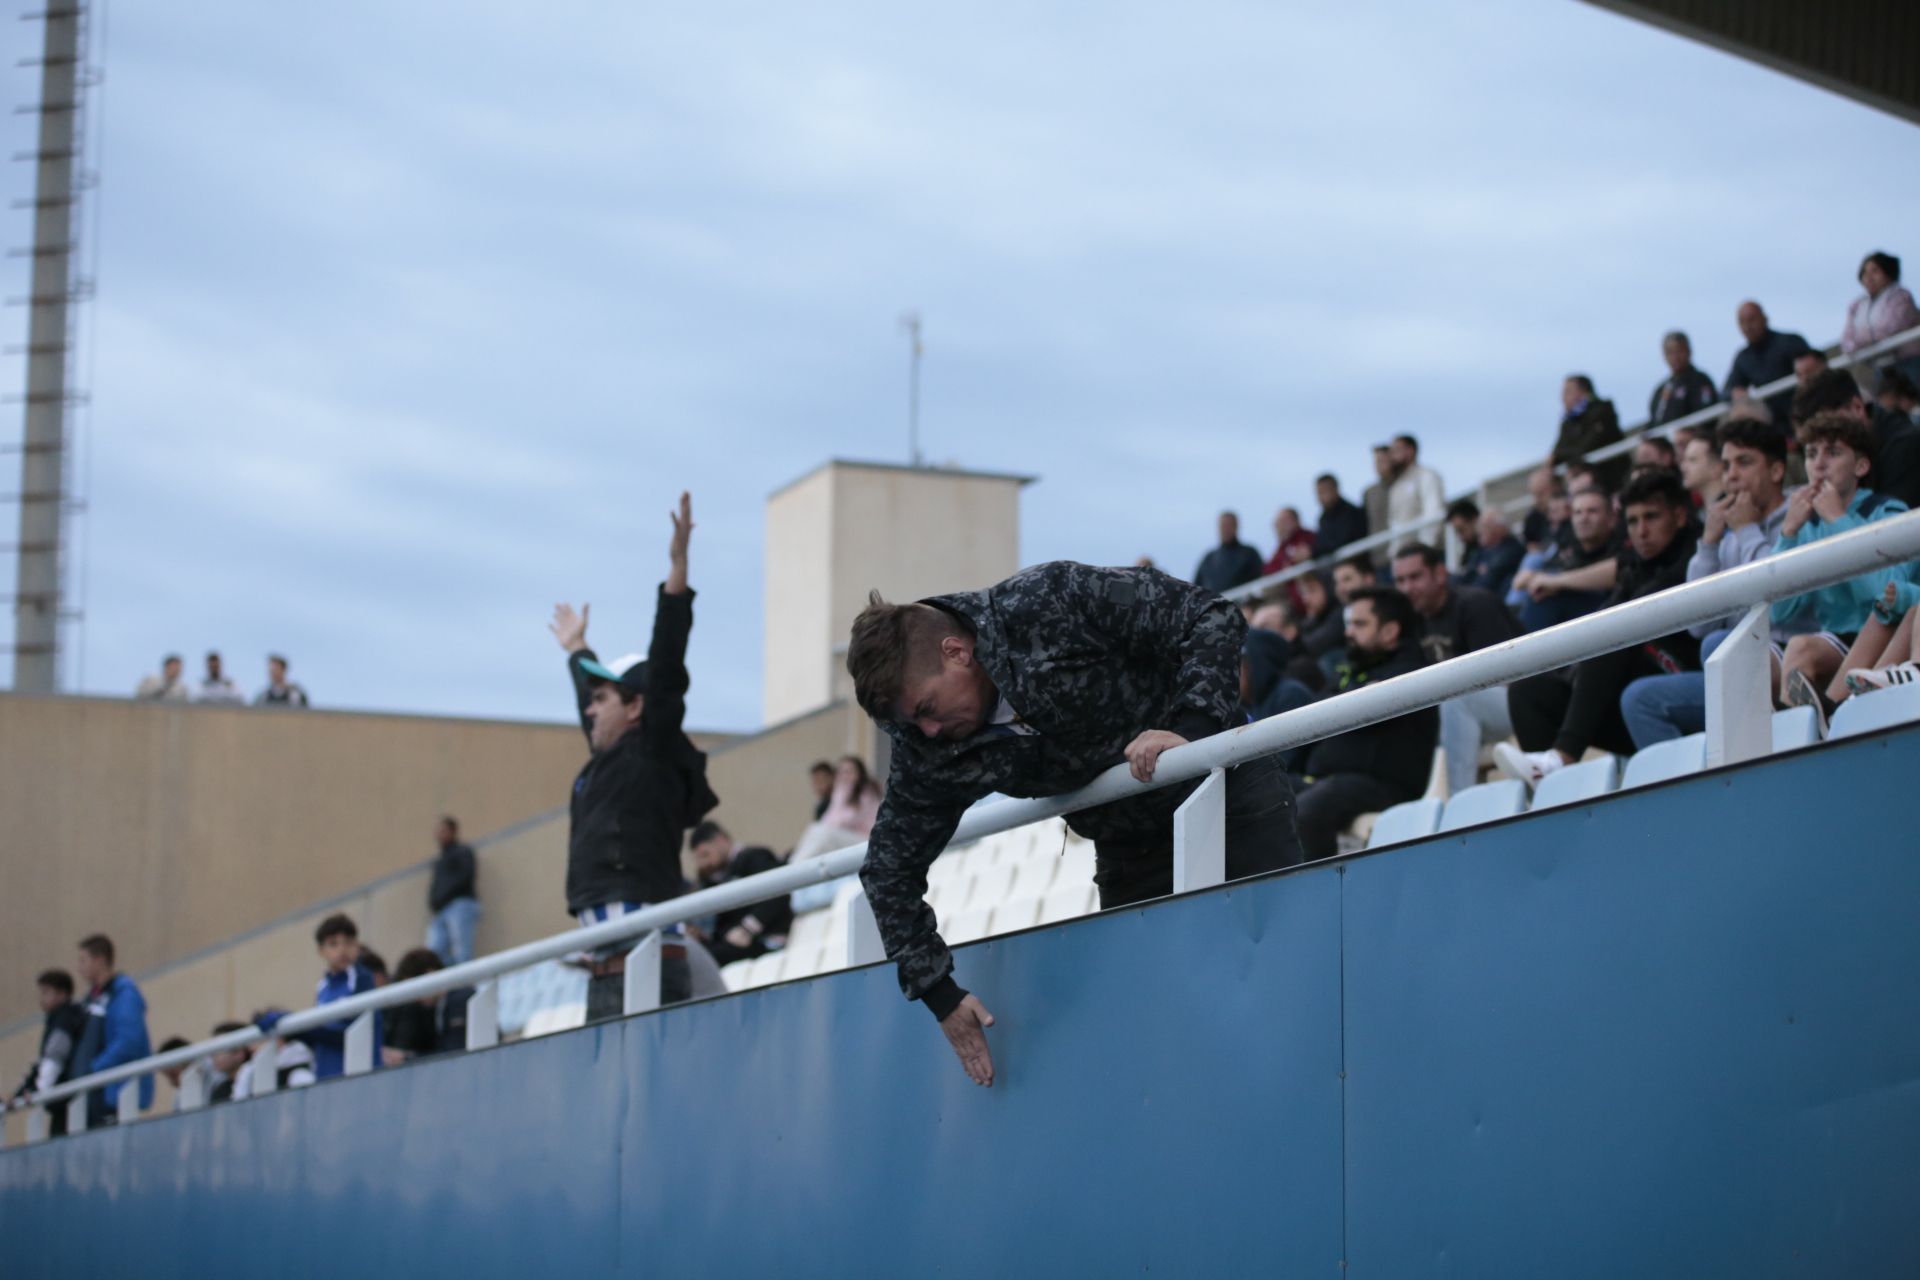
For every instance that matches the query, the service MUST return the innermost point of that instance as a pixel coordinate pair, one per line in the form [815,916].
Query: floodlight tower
[43,495]
[910,324]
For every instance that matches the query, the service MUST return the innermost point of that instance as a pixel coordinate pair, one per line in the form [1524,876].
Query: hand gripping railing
[1877,546]
[1631,440]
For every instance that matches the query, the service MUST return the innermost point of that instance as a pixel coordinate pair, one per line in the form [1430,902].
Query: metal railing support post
[361,1052]
[863,932]
[1740,692]
[193,1087]
[641,992]
[1200,836]
[128,1109]
[265,1077]
[38,1122]
[483,1017]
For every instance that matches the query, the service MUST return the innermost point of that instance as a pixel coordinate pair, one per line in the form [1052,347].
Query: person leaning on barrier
[115,1031]
[1035,687]
[644,786]
[65,1022]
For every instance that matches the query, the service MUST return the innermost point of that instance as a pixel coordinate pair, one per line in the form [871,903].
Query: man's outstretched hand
[677,549]
[570,628]
[966,1029]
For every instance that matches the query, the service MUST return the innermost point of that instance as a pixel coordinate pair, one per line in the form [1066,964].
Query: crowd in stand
[1839,451]
[216,686]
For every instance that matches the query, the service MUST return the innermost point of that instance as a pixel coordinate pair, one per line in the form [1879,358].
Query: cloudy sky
[413,319]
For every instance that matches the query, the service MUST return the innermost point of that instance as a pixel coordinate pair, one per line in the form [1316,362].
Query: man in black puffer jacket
[1379,765]
[644,787]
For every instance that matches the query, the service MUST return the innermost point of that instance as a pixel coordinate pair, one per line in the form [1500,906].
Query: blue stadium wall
[1671,1033]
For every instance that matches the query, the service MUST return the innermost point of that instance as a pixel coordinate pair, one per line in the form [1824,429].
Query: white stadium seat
[1065,901]
[1485,803]
[1577,783]
[1795,727]
[1675,758]
[1409,821]
[1881,709]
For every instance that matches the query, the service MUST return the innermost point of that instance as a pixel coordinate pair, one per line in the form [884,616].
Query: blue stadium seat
[1881,709]
[1409,821]
[1675,758]
[1577,783]
[1485,803]
[1795,727]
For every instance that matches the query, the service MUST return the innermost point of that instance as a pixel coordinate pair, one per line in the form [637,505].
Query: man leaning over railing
[1034,687]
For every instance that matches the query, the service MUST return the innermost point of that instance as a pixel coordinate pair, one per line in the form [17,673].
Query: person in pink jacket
[1886,309]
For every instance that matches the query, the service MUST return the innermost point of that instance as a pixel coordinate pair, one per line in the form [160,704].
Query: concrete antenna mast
[44,494]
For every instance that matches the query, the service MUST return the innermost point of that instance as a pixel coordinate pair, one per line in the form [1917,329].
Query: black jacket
[1687,391]
[769,918]
[1398,752]
[1469,621]
[1089,658]
[1896,463]
[634,802]
[1340,524]
[1681,650]
[1227,566]
[1594,427]
[1492,568]
[1769,360]
[453,876]
[59,1037]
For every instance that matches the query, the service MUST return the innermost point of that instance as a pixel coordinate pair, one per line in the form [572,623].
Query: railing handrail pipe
[1631,438]
[1879,545]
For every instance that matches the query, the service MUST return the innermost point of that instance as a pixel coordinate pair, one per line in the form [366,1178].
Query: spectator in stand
[850,814]
[169,686]
[1341,522]
[1702,471]
[62,1025]
[1416,495]
[1839,447]
[338,941]
[1887,652]
[173,1074]
[1463,521]
[1560,714]
[429,1025]
[1582,476]
[644,787]
[1686,390]
[1587,423]
[453,897]
[1292,545]
[1580,574]
[1321,629]
[1767,356]
[1231,563]
[216,686]
[743,932]
[1742,525]
[115,1030]
[1349,576]
[1374,500]
[1380,765]
[223,1068]
[1656,452]
[280,691]
[820,775]
[1493,555]
[1884,310]
[1896,440]
[1807,366]
[376,964]
[1456,619]
[1538,529]
[1266,687]
[1898,395]
[291,1061]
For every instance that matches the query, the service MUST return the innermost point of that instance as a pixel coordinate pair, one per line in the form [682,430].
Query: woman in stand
[1886,309]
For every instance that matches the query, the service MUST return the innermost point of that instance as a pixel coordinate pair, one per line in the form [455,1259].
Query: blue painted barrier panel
[1669,1034]
[1666,1033]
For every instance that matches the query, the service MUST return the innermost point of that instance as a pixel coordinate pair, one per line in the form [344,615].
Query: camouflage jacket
[1089,659]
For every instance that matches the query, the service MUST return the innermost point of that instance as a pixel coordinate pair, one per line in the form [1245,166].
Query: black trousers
[1579,706]
[1260,838]
[607,994]
[1329,805]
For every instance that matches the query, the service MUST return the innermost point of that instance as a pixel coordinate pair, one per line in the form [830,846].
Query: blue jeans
[451,932]
[1662,708]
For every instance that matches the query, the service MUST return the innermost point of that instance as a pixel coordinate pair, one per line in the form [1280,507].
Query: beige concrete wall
[170,827]
[850,528]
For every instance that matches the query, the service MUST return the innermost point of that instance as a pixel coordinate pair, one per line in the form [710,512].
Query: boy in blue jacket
[338,940]
[1839,451]
[115,1031]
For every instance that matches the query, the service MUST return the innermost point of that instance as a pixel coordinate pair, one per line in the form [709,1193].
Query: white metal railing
[1630,440]
[1878,546]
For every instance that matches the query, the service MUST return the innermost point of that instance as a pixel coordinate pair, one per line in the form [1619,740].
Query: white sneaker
[1528,766]
[1866,680]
